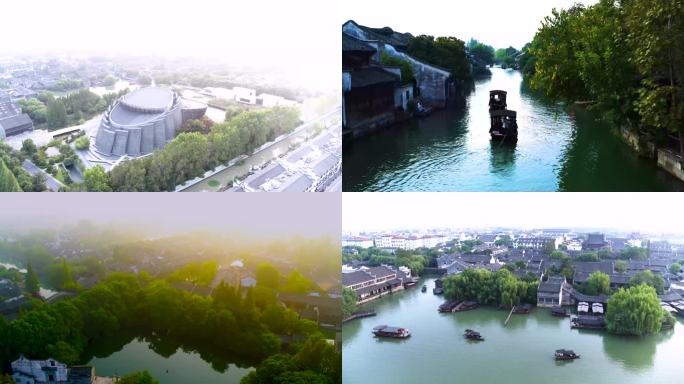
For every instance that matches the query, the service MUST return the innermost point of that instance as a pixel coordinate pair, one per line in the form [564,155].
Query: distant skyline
[261,214]
[626,212]
[500,23]
[296,37]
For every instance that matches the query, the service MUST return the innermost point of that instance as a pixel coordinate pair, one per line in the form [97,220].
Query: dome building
[141,121]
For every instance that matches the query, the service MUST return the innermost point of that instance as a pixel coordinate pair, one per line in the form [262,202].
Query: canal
[521,352]
[559,149]
[168,362]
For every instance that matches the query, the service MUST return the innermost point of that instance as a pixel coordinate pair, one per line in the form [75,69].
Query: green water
[558,149]
[168,362]
[521,352]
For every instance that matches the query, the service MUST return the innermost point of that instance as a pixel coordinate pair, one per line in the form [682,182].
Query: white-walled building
[245,95]
[357,241]
[25,371]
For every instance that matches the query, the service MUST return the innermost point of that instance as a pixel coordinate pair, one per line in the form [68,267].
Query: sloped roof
[351,44]
[371,76]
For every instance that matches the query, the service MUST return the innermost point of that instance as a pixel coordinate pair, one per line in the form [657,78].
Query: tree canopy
[634,311]
[498,288]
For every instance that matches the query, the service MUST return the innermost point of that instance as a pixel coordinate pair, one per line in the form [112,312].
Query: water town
[562,266]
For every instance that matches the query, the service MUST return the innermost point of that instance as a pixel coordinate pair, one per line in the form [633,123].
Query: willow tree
[8,183]
[634,311]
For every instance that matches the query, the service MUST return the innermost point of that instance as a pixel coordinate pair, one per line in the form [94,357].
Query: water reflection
[634,353]
[502,159]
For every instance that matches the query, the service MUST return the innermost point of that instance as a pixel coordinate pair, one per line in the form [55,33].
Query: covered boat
[473,335]
[389,331]
[497,100]
[504,126]
[566,354]
[559,312]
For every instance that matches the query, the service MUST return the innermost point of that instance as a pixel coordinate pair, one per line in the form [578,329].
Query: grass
[213,183]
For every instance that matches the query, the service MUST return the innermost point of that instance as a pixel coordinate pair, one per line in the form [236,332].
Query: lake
[521,352]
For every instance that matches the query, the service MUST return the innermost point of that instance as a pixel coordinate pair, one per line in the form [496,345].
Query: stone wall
[671,162]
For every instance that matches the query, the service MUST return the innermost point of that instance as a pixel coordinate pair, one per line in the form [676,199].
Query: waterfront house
[550,292]
[25,371]
[370,283]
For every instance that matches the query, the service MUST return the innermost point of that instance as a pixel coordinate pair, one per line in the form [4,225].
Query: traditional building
[25,371]
[371,283]
[536,242]
[550,292]
[595,242]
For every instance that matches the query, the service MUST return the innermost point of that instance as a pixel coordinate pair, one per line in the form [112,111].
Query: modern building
[357,241]
[142,121]
[12,120]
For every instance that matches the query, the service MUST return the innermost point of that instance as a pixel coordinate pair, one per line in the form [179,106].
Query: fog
[298,38]
[500,23]
[261,215]
[653,213]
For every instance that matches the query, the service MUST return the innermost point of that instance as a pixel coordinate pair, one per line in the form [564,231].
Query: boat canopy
[503,112]
[497,92]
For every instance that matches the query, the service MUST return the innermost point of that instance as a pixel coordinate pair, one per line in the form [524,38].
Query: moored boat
[566,354]
[559,312]
[522,309]
[424,289]
[472,335]
[393,332]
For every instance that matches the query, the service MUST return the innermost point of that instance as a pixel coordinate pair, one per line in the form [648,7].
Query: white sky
[644,212]
[299,36]
[500,23]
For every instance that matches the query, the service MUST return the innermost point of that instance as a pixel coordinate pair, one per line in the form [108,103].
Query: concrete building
[245,95]
[357,241]
[25,371]
[12,120]
[142,121]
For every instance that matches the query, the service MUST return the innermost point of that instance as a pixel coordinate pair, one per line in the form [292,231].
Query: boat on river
[392,332]
[503,122]
[473,335]
[424,289]
[559,312]
[566,354]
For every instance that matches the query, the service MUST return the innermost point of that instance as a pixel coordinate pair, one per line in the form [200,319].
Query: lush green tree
[143,377]
[649,278]
[8,182]
[675,268]
[407,73]
[445,52]
[56,113]
[559,255]
[31,282]
[499,288]
[634,311]
[96,180]
[36,110]
[634,253]
[82,142]
[483,53]
[588,256]
[621,266]
[598,283]
[348,301]
[268,276]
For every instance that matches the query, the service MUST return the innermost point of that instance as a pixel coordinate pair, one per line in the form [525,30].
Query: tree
[31,281]
[649,278]
[446,52]
[96,180]
[598,283]
[8,182]
[56,113]
[634,253]
[28,148]
[348,301]
[483,53]
[675,268]
[268,276]
[407,73]
[634,311]
[559,255]
[82,142]
[621,266]
[143,377]
[588,256]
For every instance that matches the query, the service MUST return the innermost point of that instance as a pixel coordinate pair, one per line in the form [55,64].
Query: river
[167,362]
[559,149]
[521,352]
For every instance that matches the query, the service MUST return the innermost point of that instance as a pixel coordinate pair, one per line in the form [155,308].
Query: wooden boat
[522,309]
[473,335]
[504,126]
[559,312]
[392,332]
[497,100]
[566,354]
[449,306]
[466,306]
[424,288]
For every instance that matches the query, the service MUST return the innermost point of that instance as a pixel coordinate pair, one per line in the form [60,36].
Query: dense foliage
[635,311]
[445,52]
[407,73]
[348,301]
[598,283]
[649,278]
[8,183]
[228,320]
[498,288]
[627,56]
[191,154]
[143,377]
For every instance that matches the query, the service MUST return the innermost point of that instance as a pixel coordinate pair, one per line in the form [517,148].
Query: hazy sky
[271,214]
[298,36]
[645,212]
[500,23]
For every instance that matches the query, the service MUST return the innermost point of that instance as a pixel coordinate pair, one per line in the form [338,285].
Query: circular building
[139,122]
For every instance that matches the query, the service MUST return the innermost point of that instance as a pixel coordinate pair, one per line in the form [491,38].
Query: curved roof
[148,99]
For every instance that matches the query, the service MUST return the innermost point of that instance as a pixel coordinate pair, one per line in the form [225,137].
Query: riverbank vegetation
[191,154]
[240,323]
[416,259]
[445,52]
[636,311]
[626,57]
[490,288]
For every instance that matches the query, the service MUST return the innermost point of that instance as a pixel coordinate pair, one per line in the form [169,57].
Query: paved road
[52,183]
